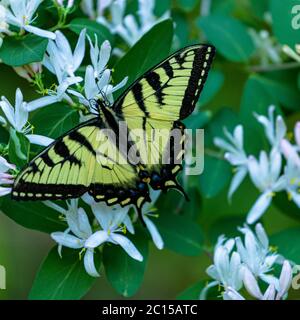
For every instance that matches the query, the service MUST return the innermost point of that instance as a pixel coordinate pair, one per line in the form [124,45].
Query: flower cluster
[110,225]
[127,27]
[21,14]
[243,264]
[269,173]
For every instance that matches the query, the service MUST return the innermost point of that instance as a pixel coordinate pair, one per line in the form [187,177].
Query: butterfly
[77,162]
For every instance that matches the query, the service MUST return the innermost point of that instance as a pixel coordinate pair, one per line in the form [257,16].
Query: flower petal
[127,245]
[155,235]
[259,207]
[40,32]
[39,140]
[96,239]
[89,263]
[67,240]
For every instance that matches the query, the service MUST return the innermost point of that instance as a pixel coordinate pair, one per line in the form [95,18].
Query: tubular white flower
[110,220]
[265,175]
[5,178]
[67,5]
[99,57]
[95,89]
[18,117]
[29,71]
[20,14]
[255,253]
[147,213]
[235,154]
[128,27]
[290,152]
[232,294]
[39,140]
[274,130]
[227,267]
[291,53]
[60,59]
[79,225]
[285,280]
[4,27]
[277,290]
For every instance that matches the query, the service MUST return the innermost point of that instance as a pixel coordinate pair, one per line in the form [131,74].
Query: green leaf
[151,49]
[229,36]
[174,203]
[255,99]
[62,278]
[181,28]
[216,176]
[282,86]
[284,21]
[92,28]
[4,135]
[212,86]
[161,7]
[193,292]
[286,206]
[55,120]
[227,226]
[123,272]
[33,215]
[18,148]
[287,244]
[225,118]
[197,120]
[180,233]
[18,52]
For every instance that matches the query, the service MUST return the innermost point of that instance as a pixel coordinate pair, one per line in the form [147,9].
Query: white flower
[275,130]
[95,89]
[18,117]
[265,175]
[292,181]
[227,267]
[69,3]
[235,154]
[56,95]
[155,235]
[290,151]
[272,293]
[267,50]
[89,9]
[20,14]
[79,225]
[128,27]
[99,57]
[110,220]
[5,178]
[291,53]
[60,60]
[4,27]
[255,253]
[29,71]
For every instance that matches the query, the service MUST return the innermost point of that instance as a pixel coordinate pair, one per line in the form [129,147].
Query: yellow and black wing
[156,103]
[77,163]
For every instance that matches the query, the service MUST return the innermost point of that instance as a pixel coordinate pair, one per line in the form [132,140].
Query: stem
[213,153]
[278,67]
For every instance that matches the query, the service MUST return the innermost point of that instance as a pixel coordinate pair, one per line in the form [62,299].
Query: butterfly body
[84,159]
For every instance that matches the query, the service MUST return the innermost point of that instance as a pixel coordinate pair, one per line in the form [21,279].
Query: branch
[278,67]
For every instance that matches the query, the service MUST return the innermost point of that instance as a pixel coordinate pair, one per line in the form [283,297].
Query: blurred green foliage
[238,86]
